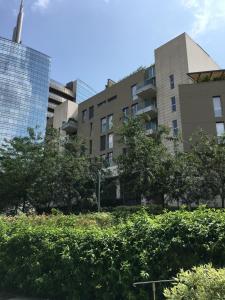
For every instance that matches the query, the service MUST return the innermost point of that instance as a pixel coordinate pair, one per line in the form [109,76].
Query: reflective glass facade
[83,91]
[24,84]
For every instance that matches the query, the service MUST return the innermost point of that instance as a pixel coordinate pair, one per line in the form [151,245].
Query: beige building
[170,92]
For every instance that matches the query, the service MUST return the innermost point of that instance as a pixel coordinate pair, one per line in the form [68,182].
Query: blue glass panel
[24,84]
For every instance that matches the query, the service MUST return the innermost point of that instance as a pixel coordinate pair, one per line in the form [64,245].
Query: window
[133,92]
[175,127]
[112,98]
[220,129]
[102,142]
[125,112]
[110,159]
[103,125]
[84,115]
[172,81]
[110,122]
[217,106]
[91,112]
[101,103]
[91,128]
[173,104]
[90,147]
[134,109]
[110,141]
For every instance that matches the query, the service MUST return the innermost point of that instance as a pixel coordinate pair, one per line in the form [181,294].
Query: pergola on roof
[207,75]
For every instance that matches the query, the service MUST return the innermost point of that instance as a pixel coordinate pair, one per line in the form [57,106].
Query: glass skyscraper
[24,85]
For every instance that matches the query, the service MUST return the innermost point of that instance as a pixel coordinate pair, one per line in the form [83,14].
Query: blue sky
[98,39]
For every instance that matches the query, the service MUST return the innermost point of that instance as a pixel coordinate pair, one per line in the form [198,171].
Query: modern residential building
[165,93]
[72,93]
[24,82]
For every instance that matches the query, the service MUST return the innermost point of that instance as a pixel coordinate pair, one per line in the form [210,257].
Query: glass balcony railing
[146,82]
[70,126]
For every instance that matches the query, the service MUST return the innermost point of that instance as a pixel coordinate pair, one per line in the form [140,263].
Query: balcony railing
[148,109]
[70,126]
[146,88]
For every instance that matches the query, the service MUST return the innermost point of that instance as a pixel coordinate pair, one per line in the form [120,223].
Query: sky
[94,40]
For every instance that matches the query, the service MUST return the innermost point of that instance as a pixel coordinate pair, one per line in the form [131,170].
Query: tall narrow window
[91,128]
[125,113]
[90,147]
[217,107]
[220,129]
[91,112]
[103,125]
[172,81]
[102,142]
[175,127]
[134,92]
[110,159]
[84,115]
[173,104]
[134,109]
[110,122]
[110,141]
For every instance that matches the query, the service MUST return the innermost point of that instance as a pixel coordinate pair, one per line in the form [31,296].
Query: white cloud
[41,4]
[208,14]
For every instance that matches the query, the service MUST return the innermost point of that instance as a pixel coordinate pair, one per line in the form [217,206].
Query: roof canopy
[207,75]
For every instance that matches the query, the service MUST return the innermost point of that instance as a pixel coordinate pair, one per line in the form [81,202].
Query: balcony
[150,110]
[146,88]
[70,126]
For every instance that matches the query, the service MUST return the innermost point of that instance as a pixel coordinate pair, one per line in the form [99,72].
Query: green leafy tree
[19,167]
[145,165]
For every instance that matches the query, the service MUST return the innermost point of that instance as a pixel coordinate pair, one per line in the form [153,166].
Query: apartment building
[173,91]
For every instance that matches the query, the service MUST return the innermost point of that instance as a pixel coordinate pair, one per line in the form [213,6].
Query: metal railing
[153,283]
[146,82]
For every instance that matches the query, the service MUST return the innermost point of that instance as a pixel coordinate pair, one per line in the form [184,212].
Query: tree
[210,151]
[145,164]
[19,167]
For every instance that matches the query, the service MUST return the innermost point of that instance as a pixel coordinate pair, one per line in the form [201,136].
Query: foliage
[201,283]
[97,257]
[144,167]
[44,173]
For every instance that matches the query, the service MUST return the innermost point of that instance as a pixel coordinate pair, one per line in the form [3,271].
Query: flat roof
[211,75]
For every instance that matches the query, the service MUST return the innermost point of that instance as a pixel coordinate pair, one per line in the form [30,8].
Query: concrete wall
[178,57]
[196,106]
[122,90]
[63,112]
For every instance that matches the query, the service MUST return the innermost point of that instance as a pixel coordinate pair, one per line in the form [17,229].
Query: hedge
[63,257]
[201,283]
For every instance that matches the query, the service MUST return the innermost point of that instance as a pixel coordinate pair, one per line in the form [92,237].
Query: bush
[201,283]
[91,257]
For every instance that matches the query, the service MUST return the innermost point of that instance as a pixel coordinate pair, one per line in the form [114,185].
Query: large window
[102,142]
[175,127]
[84,115]
[172,85]
[125,113]
[91,128]
[173,104]
[110,141]
[103,125]
[91,112]
[217,106]
[134,92]
[134,109]
[220,129]
[110,159]
[110,122]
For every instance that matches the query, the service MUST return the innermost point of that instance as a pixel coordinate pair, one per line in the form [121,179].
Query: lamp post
[99,190]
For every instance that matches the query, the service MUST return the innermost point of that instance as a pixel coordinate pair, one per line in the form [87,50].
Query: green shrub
[201,283]
[91,257]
